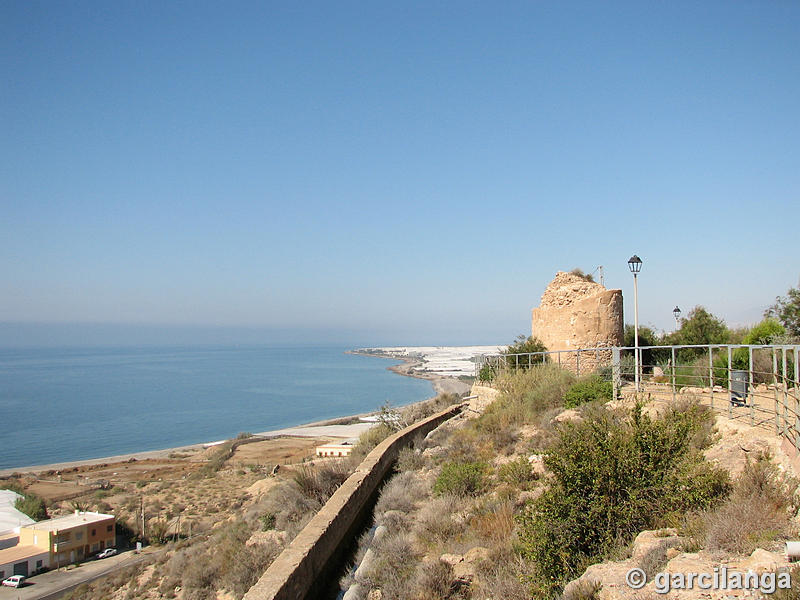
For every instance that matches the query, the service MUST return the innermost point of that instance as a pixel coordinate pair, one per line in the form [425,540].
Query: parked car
[107,552]
[15,581]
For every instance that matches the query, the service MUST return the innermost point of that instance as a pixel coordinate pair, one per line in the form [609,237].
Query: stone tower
[576,313]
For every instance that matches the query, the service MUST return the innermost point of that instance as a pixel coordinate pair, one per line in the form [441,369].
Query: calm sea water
[72,404]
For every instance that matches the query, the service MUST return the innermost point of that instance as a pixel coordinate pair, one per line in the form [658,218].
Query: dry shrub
[701,417]
[247,566]
[436,522]
[402,493]
[393,565]
[525,397]
[518,473]
[368,440]
[757,511]
[288,504]
[422,410]
[503,578]
[434,581]
[409,460]
[438,437]
[494,523]
[319,482]
[585,590]
[466,444]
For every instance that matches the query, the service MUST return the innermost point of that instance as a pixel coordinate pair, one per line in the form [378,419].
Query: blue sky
[405,173]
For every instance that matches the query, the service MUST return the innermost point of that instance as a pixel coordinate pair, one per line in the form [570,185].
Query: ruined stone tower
[576,313]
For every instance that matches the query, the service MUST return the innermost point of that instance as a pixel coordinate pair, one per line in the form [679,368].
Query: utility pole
[142,519]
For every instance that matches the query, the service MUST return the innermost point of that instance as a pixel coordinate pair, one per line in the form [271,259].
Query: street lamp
[635,265]
[676,312]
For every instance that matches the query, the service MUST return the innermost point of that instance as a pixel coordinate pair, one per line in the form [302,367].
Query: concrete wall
[302,569]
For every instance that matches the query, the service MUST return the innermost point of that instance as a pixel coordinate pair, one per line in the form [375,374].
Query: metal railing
[757,384]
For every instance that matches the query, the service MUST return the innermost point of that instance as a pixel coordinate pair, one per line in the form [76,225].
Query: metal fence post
[750,394]
[711,374]
[796,402]
[673,373]
[785,395]
[775,389]
[578,362]
[616,375]
[730,384]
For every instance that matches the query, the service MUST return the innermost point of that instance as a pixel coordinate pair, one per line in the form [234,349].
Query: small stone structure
[578,313]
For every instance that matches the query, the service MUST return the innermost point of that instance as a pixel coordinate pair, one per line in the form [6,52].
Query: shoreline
[336,427]
[440,383]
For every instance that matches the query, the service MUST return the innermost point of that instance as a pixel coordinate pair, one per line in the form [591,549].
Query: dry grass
[438,521]
[318,482]
[402,493]
[395,562]
[757,512]
[494,524]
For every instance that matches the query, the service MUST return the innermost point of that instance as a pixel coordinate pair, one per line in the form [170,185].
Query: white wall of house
[35,562]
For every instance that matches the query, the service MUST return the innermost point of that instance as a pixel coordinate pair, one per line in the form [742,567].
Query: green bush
[525,396]
[267,521]
[588,389]
[487,373]
[32,505]
[518,473]
[461,479]
[612,478]
[525,345]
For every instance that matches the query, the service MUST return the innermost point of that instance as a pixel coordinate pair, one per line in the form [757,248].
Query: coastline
[441,384]
[337,427]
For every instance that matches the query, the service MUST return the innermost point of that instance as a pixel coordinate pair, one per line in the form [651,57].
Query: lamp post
[676,312]
[635,265]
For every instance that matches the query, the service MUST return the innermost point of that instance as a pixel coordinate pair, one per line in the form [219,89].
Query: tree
[701,327]
[647,337]
[787,310]
[523,345]
[764,332]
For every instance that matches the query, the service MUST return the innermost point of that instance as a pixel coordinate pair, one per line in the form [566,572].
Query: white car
[107,552]
[15,581]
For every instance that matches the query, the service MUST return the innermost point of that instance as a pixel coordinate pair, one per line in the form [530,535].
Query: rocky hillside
[522,498]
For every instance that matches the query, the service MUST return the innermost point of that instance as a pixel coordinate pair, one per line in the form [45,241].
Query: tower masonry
[577,313]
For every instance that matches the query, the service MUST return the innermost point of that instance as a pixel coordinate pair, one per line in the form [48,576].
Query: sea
[69,404]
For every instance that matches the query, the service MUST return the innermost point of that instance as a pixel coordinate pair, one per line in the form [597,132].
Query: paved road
[54,584]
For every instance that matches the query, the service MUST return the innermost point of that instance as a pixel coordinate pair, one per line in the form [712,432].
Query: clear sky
[388,172]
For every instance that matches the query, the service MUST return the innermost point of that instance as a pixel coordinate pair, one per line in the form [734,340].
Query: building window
[110,528]
[94,532]
[78,535]
[38,564]
[3,574]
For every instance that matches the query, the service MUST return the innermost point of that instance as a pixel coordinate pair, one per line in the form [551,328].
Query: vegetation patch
[613,477]
[461,479]
[588,389]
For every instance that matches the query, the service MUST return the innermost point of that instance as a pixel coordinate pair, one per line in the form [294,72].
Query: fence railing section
[755,383]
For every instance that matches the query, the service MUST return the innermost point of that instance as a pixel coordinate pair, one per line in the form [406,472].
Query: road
[54,584]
